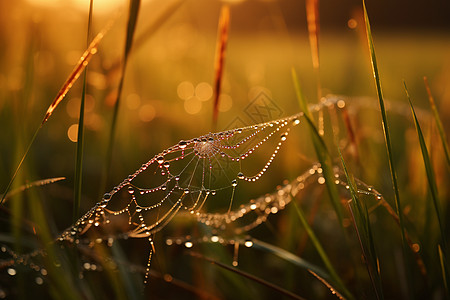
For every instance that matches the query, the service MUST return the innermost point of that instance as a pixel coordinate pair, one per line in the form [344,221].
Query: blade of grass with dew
[363,229]
[247,275]
[82,63]
[316,271]
[80,134]
[438,121]
[133,13]
[321,151]
[222,39]
[333,275]
[431,183]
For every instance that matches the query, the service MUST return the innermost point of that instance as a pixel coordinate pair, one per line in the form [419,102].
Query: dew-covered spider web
[200,177]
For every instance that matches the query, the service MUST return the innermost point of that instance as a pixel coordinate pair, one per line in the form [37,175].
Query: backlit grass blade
[430,172]
[131,26]
[363,229]
[444,270]
[431,183]
[33,184]
[80,134]
[438,121]
[222,39]
[384,122]
[333,275]
[321,150]
[80,66]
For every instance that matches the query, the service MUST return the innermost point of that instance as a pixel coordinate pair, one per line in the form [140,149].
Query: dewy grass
[321,150]
[363,229]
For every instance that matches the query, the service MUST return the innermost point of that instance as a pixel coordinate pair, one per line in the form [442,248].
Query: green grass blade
[364,232]
[430,172]
[438,121]
[131,26]
[388,143]
[433,189]
[321,150]
[334,276]
[383,117]
[80,134]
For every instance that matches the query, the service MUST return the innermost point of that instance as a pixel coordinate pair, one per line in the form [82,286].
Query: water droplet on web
[234,182]
[240,175]
[177,178]
[214,238]
[39,280]
[130,190]
[106,196]
[164,187]
[188,244]
[12,271]
[248,243]
[182,144]
[160,159]
[166,164]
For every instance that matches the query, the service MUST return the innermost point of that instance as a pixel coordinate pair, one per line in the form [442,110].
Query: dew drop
[234,182]
[296,121]
[248,243]
[214,239]
[188,244]
[182,144]
[240,175]
[106,196]
[12,271]
[130,190]
[283,137]
[177,178]
[166,164]
[213,192]
[160,159]
[39,280]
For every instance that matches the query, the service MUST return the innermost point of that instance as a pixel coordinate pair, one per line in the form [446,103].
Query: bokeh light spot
[185,90]
[203,91]
[72,133]
[133,101]
[147,113]
[193,105]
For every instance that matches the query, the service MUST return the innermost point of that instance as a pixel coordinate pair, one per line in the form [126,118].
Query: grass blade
[334,276]
[248,275]
[33,184]
[131,26]
[223,28]
[433,186]
[80,66]
[438,121]
[363,229]
[321,151]
[390,154]
[80,134]
[444,270]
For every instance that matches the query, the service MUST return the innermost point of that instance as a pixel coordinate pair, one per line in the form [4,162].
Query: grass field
[277,210]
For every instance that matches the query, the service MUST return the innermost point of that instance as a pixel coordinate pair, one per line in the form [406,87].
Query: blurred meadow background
[168,95]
